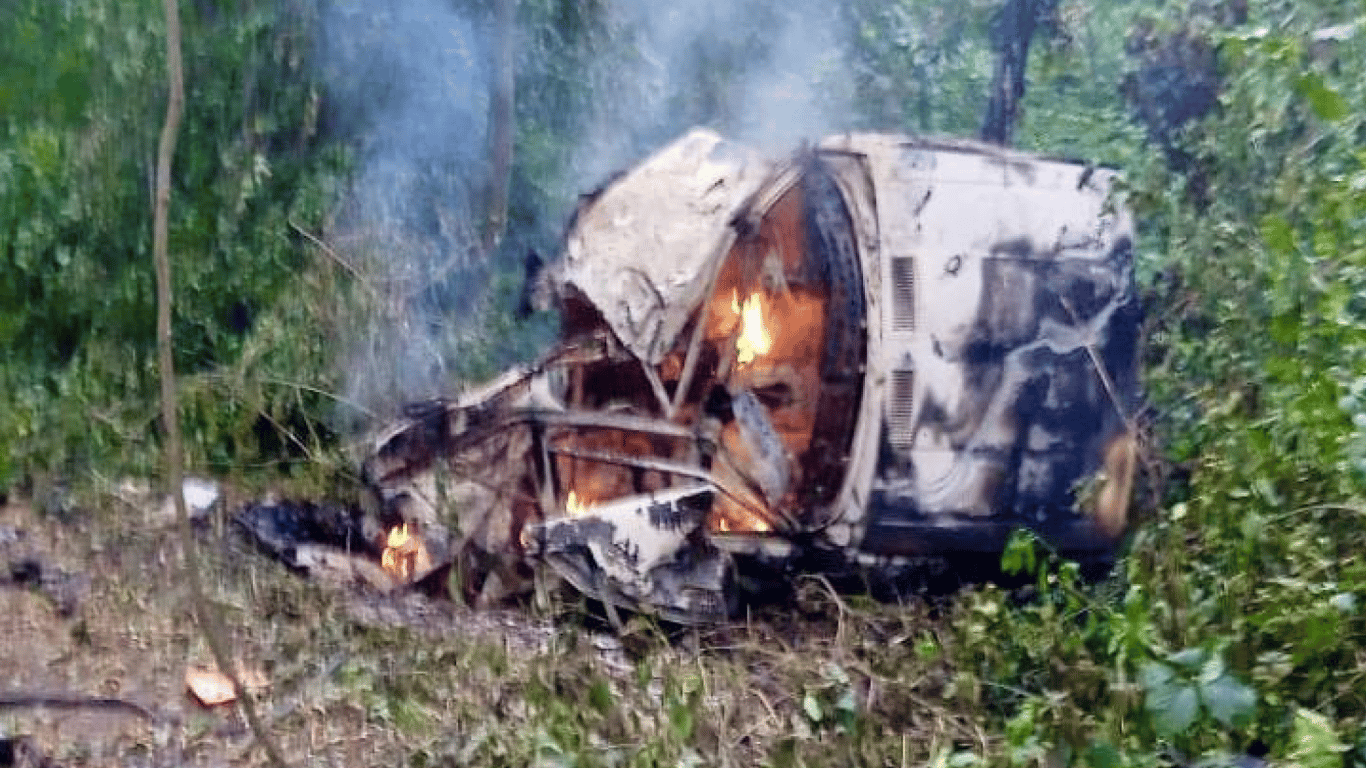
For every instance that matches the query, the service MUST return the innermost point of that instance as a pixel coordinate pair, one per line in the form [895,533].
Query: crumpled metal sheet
[1008,338]
[642,249]
[924,187]
[642,552]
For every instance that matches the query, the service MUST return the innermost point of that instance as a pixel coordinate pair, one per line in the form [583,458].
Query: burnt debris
[879,350]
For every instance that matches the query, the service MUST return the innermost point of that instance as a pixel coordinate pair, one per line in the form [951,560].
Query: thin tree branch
[333,255]
[18,699]
[501,125]
[209,620]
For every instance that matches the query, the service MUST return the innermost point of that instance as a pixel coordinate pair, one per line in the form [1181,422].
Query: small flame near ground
[403,553]
[754,338]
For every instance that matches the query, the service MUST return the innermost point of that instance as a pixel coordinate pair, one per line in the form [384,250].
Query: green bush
[1235,620]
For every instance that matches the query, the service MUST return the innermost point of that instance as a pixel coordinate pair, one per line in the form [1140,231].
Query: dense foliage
[1234,623]
[79,110]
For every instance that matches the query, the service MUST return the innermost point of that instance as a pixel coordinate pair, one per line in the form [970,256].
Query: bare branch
[210,622]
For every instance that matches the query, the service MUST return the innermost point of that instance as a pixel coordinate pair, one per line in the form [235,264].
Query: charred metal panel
[1018,276]
[894,534]
[641,552]
[831,243]
[641,250]
[852,173]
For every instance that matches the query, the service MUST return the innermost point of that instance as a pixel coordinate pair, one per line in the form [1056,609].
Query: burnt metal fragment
[282,527]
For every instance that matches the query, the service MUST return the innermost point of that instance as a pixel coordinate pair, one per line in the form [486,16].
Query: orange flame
[398,537]
[730,517]
[401,553]
[754,338]
[574,506]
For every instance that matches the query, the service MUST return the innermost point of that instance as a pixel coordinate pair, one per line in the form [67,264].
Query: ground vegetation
[1232,627]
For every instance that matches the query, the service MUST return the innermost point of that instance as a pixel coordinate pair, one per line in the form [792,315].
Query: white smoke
[408,79]
[766,72]
[805,89]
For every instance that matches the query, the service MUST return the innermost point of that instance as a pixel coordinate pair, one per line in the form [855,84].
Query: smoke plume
[407,84]
[765,72]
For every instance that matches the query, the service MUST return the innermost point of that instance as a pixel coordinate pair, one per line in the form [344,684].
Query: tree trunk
[501,124]
[175,107]
[208,620]
[1012,32]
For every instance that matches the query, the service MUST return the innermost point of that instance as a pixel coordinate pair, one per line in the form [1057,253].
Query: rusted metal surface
[881,348]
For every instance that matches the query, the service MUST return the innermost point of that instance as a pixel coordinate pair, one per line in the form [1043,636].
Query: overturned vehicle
[879,350]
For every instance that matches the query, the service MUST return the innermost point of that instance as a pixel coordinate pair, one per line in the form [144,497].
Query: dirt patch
[98,678]
[357,677]
[70,652]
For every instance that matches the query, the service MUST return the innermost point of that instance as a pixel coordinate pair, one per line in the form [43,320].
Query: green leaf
[1189,659]
[1229,701]
[1212,669]
[926,648]
[1277,233]
[1171,703]
[1327,103]
[1345,602]
[1019,553]
[1155,674]
[846,709]
[964,759]
[812,707]
[1178,712]
[1102,754]
[681,718]
[1316,743]
[846,702]
[600,696]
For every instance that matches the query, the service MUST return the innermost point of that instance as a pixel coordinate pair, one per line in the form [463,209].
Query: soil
[97,635]
[64,647]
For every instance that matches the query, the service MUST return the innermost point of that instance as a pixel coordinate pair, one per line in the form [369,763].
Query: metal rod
[641,424]
[669,467]
[657,386]
[695,344]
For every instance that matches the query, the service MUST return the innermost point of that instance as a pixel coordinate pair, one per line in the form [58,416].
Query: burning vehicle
[878,350]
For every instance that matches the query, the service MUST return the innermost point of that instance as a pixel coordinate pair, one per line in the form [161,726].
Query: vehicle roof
[642,249]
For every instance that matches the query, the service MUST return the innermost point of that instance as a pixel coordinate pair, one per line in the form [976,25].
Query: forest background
[357,184]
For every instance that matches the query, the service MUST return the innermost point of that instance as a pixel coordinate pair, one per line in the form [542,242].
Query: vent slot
[901,409]
[903,293]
